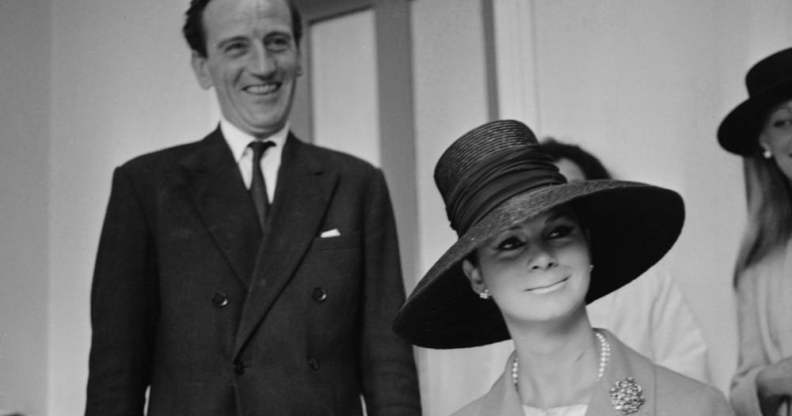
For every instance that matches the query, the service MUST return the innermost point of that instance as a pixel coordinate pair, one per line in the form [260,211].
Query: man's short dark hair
[591,166]
[195,34]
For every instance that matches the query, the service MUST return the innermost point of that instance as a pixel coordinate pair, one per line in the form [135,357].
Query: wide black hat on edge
[769,83]
[494,177]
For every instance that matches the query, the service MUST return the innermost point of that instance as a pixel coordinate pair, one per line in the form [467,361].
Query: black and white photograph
[395,208]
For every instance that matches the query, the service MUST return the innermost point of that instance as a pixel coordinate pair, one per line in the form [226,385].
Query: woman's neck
[557,362]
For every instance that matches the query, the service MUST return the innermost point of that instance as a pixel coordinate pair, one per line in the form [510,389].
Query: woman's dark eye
[510,243]
[560,231]
[782,123]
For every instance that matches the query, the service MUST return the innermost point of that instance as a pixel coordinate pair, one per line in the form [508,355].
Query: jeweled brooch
[627,396]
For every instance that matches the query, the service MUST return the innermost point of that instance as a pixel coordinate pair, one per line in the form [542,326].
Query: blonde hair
[769,200]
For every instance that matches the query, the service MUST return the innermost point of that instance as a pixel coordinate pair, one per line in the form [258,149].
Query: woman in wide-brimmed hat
[532,251]
[760,130]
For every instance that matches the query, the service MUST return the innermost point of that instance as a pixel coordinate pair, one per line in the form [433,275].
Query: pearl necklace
[605,351]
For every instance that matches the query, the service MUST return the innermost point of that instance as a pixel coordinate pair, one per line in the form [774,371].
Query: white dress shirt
[238,141]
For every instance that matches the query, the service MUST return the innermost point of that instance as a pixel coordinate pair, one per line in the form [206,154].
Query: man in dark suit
[231,283]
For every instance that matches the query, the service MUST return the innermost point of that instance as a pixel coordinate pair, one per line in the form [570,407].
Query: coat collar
[305,186]
[503,399]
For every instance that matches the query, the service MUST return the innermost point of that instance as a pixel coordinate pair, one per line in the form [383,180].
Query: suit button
[220,300]
[319,295]
[239,367]
[313,363]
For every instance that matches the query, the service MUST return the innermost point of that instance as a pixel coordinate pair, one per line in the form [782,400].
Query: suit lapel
[223,203]
[301,199]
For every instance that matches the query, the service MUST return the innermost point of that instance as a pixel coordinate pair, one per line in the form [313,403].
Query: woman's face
[536,271]
[776,136]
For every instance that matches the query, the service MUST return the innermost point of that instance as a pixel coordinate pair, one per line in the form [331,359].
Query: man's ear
[474,276]
[201,70]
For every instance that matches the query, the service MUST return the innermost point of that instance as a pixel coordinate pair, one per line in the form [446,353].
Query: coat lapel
[502,399]
[223,203]
[303,193]
[623,363]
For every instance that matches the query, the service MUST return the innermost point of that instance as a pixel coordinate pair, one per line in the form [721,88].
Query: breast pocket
[341,242]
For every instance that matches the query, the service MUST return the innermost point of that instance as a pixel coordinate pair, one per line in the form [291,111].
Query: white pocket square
[330,233]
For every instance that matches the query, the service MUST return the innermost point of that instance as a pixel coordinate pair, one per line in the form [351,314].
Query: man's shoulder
[160,159]
[339,160]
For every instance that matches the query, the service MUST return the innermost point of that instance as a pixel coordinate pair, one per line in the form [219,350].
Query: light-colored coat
[665,392]
[763,298]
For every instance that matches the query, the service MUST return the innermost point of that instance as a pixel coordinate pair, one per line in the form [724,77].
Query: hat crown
[488,165]
[474,146]
[770,72]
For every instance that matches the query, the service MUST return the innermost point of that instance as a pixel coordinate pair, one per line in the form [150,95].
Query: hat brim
[739,130]
[632,226]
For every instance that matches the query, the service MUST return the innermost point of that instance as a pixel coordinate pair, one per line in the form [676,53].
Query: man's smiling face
[252,61]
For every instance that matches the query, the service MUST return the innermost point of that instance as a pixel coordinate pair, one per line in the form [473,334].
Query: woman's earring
[591,267]
[484,294]
[767,154]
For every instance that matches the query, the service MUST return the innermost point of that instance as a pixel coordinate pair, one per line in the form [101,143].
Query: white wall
[24,175]
[344,91]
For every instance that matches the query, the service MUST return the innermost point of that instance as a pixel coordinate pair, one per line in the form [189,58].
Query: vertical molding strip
[490,59]
[516,61]
[397,123]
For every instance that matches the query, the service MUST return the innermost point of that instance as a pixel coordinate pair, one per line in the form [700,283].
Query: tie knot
[259,147]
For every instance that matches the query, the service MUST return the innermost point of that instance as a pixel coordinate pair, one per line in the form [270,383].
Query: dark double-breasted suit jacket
[185,299]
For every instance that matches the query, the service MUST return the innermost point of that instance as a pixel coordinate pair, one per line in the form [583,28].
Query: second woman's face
[537,270]
[776,136]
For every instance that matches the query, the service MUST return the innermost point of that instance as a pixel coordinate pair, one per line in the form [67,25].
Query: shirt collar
[238,140]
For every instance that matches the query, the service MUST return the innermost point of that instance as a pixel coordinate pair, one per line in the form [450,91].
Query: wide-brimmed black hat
[769,83]
[496,176]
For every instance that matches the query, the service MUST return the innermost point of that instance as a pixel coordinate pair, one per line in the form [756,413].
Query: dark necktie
[258,188]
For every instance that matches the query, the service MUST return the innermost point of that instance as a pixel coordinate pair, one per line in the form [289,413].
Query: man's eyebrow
[279,33]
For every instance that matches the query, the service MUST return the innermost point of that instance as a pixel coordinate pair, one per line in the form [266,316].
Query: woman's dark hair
[195,35]
[591,166]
